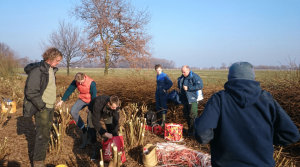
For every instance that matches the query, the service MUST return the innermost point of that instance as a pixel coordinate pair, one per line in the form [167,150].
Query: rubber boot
[38,164]
[84,140]
[94,155]
[191,127]
[163,120]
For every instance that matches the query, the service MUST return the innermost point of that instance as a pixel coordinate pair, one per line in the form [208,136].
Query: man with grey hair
[189,85]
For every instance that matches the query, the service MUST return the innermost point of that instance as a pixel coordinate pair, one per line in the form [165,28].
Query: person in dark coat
[190,87]
[39,100]
[164,83]
[105,108]
[243,122]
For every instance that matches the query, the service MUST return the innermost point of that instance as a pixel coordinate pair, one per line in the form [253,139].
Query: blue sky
[199,33]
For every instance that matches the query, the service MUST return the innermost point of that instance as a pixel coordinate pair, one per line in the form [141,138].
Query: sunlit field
[137,86]
[216,77]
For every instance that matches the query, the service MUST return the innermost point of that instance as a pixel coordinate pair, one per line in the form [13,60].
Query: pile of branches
[133,126]
[3,149]
[63,118]
[283,160]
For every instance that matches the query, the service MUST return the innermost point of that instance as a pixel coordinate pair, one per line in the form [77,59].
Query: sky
[198,33]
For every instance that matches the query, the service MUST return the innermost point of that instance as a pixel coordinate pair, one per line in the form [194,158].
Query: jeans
[190,113]
[43,124]
[79,105]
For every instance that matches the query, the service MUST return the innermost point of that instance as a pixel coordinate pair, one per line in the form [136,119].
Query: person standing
[87,89]
[243,122]
[105,108]
[163,84]
[39,100]
[189,84]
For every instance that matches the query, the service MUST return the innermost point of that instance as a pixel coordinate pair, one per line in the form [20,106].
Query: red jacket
[84,89]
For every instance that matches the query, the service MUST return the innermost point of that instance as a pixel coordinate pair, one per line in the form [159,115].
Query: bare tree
[69,40]
[24,61]
[223,66]
[115,29]
[9,61]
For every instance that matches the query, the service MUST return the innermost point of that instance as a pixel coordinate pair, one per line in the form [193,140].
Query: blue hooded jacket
[194,83]
[163,83]
[242,123]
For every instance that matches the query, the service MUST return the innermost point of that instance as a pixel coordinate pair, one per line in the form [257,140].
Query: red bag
[107,149]
[173,132]
[156,129]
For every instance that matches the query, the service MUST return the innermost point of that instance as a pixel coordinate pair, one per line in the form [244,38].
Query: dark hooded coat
[36,83]
[242,123]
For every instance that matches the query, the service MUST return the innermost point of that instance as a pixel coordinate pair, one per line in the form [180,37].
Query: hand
[59,103]
[108,135]
[185,88]
[87,110]
[164,90]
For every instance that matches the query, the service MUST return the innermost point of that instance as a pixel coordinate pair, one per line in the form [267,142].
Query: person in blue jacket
[189,85]
[243,122]
[164,83]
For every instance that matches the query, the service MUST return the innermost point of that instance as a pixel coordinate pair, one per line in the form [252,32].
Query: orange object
[4,109]
[12,110]
[84,89]
[173,132]
[13,107]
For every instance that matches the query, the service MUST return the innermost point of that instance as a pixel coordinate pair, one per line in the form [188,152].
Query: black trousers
[190,113]
[43,124]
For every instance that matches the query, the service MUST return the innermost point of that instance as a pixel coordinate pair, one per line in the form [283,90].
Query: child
[164,83]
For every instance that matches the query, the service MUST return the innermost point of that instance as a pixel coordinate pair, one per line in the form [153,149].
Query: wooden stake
[119,159]
[101,156]
[101,164]
[115,155]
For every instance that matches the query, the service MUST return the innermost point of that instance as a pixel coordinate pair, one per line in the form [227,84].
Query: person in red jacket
[87,88]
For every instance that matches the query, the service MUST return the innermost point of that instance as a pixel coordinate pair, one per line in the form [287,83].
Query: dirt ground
[20,131]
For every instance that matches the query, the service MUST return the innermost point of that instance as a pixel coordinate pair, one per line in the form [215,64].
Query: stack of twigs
[59,130]
[3,149]
[134,125]
[3,118]
[281,160]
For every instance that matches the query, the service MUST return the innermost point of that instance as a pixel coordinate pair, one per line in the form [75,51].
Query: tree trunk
[68,65]
[106,62]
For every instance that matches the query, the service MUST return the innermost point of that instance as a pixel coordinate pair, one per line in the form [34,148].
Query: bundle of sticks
[170,154]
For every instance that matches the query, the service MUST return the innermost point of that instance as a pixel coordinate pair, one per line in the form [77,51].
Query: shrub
[9,61]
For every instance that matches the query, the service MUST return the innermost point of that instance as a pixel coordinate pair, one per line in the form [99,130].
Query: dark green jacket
[36,83]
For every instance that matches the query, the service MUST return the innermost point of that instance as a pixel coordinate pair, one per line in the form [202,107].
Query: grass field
[216,77]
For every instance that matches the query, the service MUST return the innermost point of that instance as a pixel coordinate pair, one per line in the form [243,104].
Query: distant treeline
[259,67]
[94,63]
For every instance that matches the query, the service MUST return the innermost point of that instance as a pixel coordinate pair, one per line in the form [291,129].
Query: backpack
[174,97]
[151,118]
